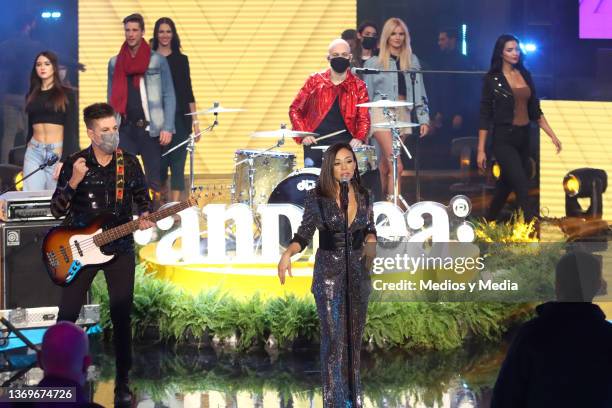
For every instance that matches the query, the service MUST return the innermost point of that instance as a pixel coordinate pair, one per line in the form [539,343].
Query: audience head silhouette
[65,352]
[578,277]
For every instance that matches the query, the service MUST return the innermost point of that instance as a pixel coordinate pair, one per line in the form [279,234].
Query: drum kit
[269,175]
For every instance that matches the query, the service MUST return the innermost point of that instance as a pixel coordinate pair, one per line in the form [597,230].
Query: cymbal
[385,103]
[396,125]
[282,133]
[216,109]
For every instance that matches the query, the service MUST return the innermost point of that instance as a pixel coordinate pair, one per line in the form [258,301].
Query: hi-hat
[215,109]
[385,103]
[394,125]
[282,132]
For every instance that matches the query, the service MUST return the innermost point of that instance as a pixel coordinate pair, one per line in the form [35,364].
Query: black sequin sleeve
[371,225]
[307,228]
[60,202]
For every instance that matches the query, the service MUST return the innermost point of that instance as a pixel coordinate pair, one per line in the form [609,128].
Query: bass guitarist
[103,179]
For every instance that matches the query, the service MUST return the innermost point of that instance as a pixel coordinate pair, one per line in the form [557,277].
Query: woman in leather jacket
[507,107]
[322,211]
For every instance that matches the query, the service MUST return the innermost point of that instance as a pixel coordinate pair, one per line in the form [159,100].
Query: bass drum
[292,190]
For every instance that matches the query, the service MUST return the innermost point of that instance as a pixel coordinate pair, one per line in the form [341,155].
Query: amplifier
[24,281]
[26,206]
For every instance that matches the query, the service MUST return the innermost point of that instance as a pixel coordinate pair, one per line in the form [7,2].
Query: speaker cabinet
[24,281]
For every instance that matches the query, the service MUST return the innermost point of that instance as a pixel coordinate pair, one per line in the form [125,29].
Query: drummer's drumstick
[330,135]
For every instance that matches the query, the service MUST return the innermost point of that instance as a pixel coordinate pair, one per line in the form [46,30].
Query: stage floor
[192,377]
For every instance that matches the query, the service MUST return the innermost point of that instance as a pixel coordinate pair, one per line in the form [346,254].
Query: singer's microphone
[367,71]
[344,188]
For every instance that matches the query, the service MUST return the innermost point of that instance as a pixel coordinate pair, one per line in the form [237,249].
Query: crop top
[40,110]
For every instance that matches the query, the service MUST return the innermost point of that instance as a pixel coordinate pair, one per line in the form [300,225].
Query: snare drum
[268,170]
[366,158]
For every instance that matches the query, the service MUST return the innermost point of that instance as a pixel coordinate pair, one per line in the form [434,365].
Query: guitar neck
[121,231]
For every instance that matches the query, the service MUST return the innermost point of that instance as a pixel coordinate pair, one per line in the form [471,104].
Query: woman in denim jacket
[395,53]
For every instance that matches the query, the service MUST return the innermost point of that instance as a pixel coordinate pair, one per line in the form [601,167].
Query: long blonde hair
[405,55]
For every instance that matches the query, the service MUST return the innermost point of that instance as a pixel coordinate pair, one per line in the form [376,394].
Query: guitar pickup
[78,247]
[64,254]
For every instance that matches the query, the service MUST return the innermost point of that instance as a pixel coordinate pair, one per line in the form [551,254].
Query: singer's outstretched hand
[284,266]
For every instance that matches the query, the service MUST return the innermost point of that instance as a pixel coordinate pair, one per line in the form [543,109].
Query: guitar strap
[120,184]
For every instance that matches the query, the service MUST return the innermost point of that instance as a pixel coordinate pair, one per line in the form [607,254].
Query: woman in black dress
[167,43]
[508,105]
[322,211]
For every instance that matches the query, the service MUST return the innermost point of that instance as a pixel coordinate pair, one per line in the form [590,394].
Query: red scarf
[128,65]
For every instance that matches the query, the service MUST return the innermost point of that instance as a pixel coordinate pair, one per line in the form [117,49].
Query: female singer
[395,53]
[508,105]
[167,42]
[52,123]
[322,211]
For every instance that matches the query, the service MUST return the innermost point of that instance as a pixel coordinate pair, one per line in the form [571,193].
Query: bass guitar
[67,250]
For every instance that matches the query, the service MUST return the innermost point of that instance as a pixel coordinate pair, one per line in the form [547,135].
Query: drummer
[328,102]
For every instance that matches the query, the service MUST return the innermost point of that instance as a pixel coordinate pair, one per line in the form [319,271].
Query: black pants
[176,159]
[136,140]
[511,150]
[119,274]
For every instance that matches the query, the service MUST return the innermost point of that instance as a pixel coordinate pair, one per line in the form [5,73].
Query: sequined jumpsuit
[329,289]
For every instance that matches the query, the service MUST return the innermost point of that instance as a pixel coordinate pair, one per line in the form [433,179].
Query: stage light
[529,48]
[571,185]
[496,170]
[18,182]
[464,39]
[585,183]
[51,15]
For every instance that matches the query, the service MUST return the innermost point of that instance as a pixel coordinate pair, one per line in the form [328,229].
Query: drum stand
[395,154]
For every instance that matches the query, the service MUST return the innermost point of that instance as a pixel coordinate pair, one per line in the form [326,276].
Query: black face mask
[368,43]
[339,64]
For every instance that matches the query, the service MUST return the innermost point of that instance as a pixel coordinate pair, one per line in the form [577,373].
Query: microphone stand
[50,162]
[190,142]
[344,200]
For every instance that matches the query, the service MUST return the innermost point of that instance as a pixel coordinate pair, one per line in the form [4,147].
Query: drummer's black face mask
[339,64]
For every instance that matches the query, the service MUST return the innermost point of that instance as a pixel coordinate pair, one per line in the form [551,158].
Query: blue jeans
[36,154]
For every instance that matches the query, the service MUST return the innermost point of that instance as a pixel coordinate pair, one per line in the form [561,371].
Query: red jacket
[316,97]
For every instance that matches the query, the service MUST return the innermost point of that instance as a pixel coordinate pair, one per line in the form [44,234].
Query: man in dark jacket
[563,357]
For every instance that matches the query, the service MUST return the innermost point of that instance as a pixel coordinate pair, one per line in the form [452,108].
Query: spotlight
[585,183]
[571,185]
[531,170]
[54,14]
[585,225]
[531,47]
[496,170]
[528,48]
[9,174]
[464,39]
[18,181]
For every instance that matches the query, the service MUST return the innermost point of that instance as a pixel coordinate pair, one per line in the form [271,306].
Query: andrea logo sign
[424,221]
